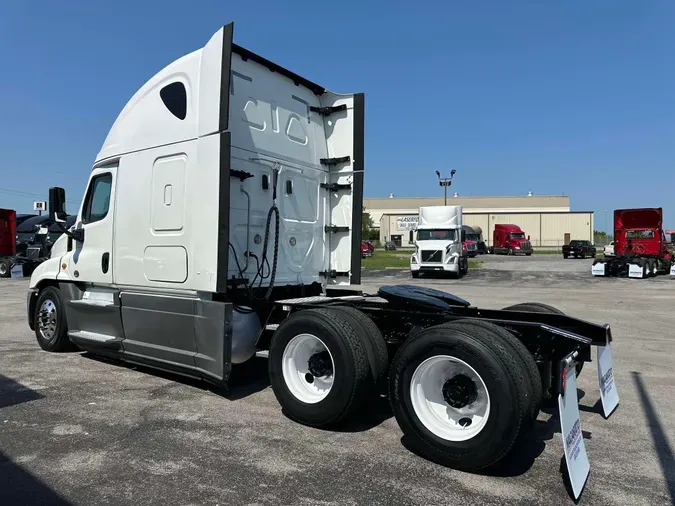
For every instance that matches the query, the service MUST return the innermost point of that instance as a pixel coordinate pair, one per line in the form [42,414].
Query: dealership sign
[407,222]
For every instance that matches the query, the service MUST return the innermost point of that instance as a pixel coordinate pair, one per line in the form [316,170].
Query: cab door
[89,261]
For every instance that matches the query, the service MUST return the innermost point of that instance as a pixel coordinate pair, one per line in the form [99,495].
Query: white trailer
[221,213]
[438,244]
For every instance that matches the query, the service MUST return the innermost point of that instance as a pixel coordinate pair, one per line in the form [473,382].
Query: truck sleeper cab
[223,216]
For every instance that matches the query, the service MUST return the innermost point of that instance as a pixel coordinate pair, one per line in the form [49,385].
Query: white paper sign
[578,466]
[609,395]
[634,271]
[672,270]
[17,271]
[598,269]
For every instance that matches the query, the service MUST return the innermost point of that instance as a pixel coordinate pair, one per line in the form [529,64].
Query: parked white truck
[438,245]
[222,210]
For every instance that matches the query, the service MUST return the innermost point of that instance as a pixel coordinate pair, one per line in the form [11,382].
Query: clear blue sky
[549,96]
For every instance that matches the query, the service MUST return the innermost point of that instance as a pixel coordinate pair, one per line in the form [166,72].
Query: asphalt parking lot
[75,430]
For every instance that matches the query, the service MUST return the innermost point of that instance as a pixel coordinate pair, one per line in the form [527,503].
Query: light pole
[445,182]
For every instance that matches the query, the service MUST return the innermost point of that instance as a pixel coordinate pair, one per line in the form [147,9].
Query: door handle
[105,262]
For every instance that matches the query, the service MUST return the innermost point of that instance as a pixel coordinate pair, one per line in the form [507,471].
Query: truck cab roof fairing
[147,121]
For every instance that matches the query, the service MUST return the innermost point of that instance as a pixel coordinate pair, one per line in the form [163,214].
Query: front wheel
[565,255]
[415,274]
[459,396]
[51,326]
[5,268]
[509,251]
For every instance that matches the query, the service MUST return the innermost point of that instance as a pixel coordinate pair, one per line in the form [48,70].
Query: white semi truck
[220,215]
[438,245]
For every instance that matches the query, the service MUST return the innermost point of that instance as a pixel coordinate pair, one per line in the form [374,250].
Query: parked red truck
[510,240]
[640,245]
[7,241]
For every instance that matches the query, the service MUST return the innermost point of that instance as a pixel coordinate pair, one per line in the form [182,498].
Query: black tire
[509,251]
[652,267]
[5,268]
[350,388]
[565,255]
[528,254]
[521,353]
[376,346]
[491,251]
[538,307]
[55,337]
[415,274]
[583,256]
[504,380]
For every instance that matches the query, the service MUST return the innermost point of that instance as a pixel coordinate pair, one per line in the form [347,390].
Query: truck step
[92,302]
[91,336]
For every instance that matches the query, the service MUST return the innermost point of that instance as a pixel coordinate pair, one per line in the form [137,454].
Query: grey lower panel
[213,335]
[183,332]
[91,318]
[160,327]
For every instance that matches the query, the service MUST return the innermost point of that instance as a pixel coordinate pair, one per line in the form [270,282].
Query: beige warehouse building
[547,219]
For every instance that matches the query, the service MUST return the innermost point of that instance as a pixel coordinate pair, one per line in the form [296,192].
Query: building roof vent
[529,194]
[391,195]
[456,195]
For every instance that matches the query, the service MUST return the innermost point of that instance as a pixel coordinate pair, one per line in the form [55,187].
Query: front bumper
[435,267]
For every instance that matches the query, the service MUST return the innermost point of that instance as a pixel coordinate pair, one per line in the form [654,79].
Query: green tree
[366,224]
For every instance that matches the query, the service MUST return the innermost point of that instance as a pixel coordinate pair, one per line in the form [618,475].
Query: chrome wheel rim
[3,268]
[46,320]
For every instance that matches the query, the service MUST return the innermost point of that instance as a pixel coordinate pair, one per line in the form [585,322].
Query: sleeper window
[98,198]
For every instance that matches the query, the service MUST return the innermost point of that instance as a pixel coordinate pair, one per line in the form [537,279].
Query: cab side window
[97,202]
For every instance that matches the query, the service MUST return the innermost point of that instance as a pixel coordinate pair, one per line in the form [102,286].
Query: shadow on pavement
[19,487]
[661,444]
[246,379]
[525,451]
[13,392]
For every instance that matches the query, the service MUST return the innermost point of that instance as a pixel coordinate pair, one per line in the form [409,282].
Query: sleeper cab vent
[174,97]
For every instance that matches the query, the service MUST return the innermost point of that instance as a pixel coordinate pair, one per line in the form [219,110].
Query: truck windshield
[436,235]
[576,243]
[639,234]
[517,235]
[472,237]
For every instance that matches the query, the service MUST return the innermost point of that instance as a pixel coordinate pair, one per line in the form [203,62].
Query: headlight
[413,260]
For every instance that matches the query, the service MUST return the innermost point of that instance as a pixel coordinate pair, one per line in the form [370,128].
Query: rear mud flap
[598,269]
[635,271]
[609,395]
[576,458]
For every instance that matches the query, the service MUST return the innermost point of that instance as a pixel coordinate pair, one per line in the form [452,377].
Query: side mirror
[463,236]
[57,205]
[528,237]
